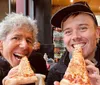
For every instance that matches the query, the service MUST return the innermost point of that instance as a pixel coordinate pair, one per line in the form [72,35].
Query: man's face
[80,29]
[17,43]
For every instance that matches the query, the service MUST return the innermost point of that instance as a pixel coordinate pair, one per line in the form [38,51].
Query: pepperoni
[69,77]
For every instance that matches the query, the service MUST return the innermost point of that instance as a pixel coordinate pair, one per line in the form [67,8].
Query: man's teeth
[79,45]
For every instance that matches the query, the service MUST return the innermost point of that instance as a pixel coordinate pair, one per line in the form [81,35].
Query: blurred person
[79,26]
[36,46]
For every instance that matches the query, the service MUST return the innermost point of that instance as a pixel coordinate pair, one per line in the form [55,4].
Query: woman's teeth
[18,56]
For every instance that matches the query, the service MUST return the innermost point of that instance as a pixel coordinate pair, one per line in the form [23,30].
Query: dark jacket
[4,68]
[38,63]
[57,72]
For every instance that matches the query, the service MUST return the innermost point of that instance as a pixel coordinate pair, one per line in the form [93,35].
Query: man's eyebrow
[83,24]
[66,29]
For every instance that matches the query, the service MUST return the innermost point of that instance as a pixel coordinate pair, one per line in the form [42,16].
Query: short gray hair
[15,21]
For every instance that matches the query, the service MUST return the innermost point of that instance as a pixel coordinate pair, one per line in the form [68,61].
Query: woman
[17,36]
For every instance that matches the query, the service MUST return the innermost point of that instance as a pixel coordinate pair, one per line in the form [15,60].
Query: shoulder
[4,68]
[4,63]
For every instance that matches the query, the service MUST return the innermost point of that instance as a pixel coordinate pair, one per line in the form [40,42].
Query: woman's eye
[30,41]
[16,38]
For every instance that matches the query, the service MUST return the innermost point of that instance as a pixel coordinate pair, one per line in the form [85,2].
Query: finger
[56,83]
[27,80]
[88,62]
[13,70]
[92,69]
[95,78]
[9,81]
[19,80]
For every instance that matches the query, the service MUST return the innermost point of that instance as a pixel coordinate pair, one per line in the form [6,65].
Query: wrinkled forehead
[23,26]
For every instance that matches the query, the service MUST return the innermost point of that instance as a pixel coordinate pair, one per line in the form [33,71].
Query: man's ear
[1,45]
[98,32]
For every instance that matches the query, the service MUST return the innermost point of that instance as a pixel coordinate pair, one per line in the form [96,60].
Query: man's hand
[93,73]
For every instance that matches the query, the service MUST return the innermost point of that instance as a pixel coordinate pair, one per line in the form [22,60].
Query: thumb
[56,83]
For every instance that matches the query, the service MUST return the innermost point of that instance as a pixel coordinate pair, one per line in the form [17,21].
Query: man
[79,26]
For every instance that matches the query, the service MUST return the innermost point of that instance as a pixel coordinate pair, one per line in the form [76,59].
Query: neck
[91,55]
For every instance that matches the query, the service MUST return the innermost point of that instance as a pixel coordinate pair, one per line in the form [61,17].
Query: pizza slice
[76,73]
[24,68]
[23,75]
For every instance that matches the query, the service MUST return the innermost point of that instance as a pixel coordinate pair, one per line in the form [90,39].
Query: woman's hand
[13,79]
[9,77]
[93,73]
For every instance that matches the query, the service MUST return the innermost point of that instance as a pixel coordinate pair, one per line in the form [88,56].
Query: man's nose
[76,36]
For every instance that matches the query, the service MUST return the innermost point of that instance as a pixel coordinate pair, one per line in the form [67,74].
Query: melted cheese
[25,68]
[76,72]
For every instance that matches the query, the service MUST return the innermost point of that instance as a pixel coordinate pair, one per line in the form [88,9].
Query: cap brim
[61,14]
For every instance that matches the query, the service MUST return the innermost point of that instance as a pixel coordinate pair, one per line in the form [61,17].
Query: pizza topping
[25,68]
[76,72]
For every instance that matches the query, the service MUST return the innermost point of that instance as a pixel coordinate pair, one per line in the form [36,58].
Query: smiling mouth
[18,56]
[81,45]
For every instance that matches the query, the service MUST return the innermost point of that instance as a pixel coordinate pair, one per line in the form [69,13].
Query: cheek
[7,47]
[91,37]
[66,40]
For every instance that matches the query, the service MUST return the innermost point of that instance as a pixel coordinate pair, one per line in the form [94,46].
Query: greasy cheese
[25,68]
[76,72]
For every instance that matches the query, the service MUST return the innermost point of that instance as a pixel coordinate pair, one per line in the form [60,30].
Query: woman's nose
[24,44]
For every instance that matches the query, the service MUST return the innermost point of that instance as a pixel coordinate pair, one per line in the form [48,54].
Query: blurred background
[50,37]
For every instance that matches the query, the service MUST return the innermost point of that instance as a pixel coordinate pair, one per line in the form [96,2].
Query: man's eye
[67,32]
[83,28]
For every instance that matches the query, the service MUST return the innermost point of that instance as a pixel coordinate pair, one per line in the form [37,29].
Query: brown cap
[71,9]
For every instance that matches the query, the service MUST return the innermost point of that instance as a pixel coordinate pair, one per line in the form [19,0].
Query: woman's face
[17,43]
[80,29]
